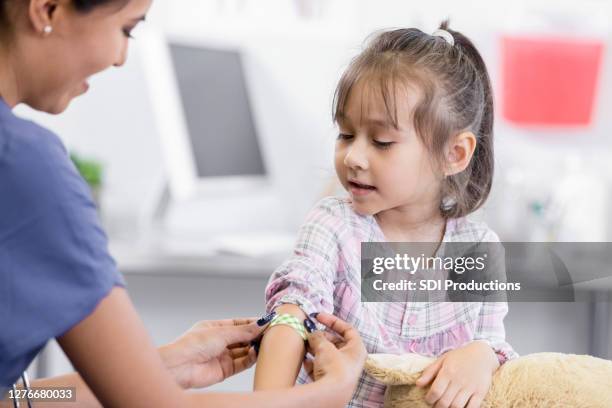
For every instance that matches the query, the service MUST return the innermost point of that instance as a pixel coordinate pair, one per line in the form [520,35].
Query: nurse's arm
[83,396]
[117,360]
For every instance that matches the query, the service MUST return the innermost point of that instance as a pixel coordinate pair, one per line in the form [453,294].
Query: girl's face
[381,167]
[79,46]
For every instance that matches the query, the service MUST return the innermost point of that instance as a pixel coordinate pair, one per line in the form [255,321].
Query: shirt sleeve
[308,277]
[490,325]
[490,328]
[53,252]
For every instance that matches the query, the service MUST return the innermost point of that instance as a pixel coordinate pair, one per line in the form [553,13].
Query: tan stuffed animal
[534,381]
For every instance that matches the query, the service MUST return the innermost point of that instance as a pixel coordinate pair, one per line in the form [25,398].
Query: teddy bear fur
[535,381]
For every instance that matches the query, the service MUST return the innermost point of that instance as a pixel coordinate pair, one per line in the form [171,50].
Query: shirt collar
[4,108]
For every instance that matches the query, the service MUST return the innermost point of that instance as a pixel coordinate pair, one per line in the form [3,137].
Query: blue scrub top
[54,262]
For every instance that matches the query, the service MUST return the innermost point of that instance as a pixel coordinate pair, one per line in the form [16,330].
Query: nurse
[57,279]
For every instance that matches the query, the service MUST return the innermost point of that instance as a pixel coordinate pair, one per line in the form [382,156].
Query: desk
[157,260]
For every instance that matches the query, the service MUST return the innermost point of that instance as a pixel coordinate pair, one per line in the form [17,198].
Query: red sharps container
[549,81]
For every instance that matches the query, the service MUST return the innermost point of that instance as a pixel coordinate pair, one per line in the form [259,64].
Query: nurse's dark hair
[455,96]
[82,6]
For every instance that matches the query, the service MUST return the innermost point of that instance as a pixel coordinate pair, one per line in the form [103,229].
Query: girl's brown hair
[455,96]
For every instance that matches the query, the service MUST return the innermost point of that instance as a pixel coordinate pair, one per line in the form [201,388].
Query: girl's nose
[122,55]
[356,157]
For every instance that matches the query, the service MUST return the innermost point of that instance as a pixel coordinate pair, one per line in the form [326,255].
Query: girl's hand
[461,378]
[211,351]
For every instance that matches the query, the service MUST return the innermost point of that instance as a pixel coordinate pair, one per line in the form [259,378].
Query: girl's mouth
[360,189]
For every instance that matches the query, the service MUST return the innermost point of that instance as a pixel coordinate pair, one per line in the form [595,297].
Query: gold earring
[47,30]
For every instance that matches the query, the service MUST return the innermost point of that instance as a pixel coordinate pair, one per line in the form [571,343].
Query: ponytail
[478,178]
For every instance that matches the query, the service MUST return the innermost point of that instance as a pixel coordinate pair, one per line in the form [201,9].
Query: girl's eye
[344,136]
[128,32]
[382,145]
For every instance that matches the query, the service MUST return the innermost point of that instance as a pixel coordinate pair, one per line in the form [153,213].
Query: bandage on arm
[281,354]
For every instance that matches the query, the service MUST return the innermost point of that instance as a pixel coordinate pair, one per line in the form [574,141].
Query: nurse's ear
[43,15]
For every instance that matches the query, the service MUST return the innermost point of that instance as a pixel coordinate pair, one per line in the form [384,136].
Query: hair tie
[446,35]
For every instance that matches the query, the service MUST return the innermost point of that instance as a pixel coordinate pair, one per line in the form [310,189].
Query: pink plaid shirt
[324,275]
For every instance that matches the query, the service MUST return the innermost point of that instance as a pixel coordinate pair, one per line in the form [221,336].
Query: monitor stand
[157,228]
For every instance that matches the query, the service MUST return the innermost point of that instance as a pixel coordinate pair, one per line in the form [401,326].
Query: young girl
[415,154]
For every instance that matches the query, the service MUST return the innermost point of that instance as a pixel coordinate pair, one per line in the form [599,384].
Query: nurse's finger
[238,334]
[309,367]
[238,345]
[244,320]
[226,322]
[333,338]
[239,352]
[244,362]
[338,325]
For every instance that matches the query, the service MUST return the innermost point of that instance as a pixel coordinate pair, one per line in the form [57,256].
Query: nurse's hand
[339,355]
[211,351]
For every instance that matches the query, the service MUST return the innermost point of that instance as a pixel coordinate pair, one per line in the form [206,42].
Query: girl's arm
[490,329]
[307,279]
[462,377]
[490,323]
[281,353]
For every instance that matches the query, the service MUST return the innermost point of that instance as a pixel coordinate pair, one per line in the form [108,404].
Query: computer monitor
[201,104]
[219,169]
[219,120]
